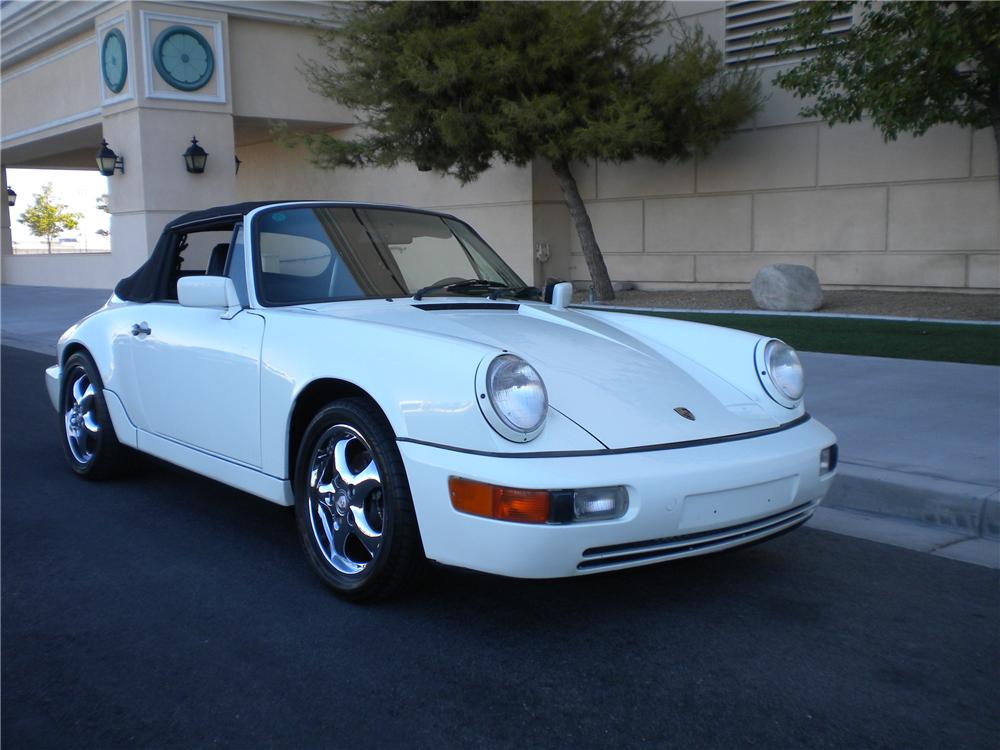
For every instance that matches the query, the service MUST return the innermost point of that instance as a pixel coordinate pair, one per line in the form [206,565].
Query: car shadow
[677,583]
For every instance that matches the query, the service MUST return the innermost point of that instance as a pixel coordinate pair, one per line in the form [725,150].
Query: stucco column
[156,187]
[150,123]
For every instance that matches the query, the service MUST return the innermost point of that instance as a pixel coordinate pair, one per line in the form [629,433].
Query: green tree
[455,86]
[907,65]
[48,218]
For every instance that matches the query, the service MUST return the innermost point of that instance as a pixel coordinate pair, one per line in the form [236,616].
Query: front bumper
[682,502]
[52,376]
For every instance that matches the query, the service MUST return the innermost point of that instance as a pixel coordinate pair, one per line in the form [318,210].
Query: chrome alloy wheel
[346,507]
[82,428]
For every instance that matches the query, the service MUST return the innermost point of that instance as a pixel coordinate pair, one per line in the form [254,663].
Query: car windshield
[326,253]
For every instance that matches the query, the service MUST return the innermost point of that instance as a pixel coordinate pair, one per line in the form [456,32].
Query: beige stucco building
[919,213]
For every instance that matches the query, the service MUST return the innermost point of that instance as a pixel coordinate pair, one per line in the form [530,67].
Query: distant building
[919,213]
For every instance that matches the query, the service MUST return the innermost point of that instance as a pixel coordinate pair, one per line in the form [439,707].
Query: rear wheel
[88,437]
[353,507]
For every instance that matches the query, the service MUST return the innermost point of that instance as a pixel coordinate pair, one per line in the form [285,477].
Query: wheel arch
[313,397]
[72,348]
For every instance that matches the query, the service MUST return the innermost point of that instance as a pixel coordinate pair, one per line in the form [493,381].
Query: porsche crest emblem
[686,413]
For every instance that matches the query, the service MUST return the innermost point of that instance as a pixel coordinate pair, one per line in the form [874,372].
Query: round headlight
[784,369]
[517,395]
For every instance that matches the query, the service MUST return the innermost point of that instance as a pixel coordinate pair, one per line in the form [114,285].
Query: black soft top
[144,285]
[223,216]
[148,281]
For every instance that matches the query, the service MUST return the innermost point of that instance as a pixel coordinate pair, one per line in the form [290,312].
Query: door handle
[142,327]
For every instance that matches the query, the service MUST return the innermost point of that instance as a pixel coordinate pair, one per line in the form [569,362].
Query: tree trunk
[603,291]
[49,241]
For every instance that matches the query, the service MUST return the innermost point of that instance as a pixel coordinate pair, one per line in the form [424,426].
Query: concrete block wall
[914,213]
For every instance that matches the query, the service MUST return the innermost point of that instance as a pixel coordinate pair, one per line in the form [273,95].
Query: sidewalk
[918,440]
[34,317]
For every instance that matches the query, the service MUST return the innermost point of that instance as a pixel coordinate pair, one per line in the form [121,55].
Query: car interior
[200,253]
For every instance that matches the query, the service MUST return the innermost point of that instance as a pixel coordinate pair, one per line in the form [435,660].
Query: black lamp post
[108,160]
[195,157]
[11,197]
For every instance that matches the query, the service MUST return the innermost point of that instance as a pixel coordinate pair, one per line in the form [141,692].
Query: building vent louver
[753,29]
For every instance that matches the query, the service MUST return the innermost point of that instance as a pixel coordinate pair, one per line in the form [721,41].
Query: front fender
[706,352]
[105,334]
[424,383]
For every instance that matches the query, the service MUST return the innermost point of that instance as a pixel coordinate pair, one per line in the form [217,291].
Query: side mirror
[562,295]
[208,291]
[549,289]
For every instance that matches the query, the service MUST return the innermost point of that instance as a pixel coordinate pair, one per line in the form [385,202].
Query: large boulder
[783,286]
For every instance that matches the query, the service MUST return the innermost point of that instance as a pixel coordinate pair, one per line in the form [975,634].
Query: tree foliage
[907,65]
[455,86]
[48,218]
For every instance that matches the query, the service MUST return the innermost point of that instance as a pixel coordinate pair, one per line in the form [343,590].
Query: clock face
[114,64]
[183,58]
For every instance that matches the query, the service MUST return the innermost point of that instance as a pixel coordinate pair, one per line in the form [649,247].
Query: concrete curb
[972,510]
[932,540]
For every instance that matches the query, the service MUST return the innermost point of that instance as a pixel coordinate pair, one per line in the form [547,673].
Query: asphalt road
[170,611]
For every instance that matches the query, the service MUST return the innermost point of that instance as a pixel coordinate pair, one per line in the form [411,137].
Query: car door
[197,377]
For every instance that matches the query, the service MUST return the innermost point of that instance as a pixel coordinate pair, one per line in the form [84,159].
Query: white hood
[621,390]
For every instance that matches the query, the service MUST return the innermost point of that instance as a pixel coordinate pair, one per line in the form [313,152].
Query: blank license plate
[740,504]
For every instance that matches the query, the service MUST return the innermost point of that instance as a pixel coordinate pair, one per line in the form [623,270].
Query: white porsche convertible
[384,371]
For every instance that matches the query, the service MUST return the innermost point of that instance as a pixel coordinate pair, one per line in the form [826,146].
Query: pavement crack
[939,547]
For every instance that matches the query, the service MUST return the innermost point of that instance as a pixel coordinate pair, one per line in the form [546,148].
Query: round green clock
[114,64]
[183,58]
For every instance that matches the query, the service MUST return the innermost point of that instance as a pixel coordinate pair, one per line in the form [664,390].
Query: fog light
[598,503]
[828,459]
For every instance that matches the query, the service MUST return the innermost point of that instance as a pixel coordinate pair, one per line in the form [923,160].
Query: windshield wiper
[460,285]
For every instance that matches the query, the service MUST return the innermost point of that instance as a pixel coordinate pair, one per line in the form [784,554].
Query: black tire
[94,455]
[341,554]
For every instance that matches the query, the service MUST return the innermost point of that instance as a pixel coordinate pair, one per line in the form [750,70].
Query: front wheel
[352,503]
[88,437]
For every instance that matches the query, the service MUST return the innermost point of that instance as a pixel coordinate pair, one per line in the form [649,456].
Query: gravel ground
[845,301]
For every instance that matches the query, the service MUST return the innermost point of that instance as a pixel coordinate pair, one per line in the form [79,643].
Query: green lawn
[946,342]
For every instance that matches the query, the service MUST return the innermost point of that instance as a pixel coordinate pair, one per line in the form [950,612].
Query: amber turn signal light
[502,503]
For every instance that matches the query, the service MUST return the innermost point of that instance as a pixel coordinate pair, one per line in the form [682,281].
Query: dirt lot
[858,302]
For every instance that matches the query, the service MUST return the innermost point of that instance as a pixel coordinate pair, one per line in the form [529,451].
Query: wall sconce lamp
[11,197]
[108,160]
[238,162]
[195,157]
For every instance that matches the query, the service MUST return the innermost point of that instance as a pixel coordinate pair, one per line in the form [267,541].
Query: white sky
[79,189]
